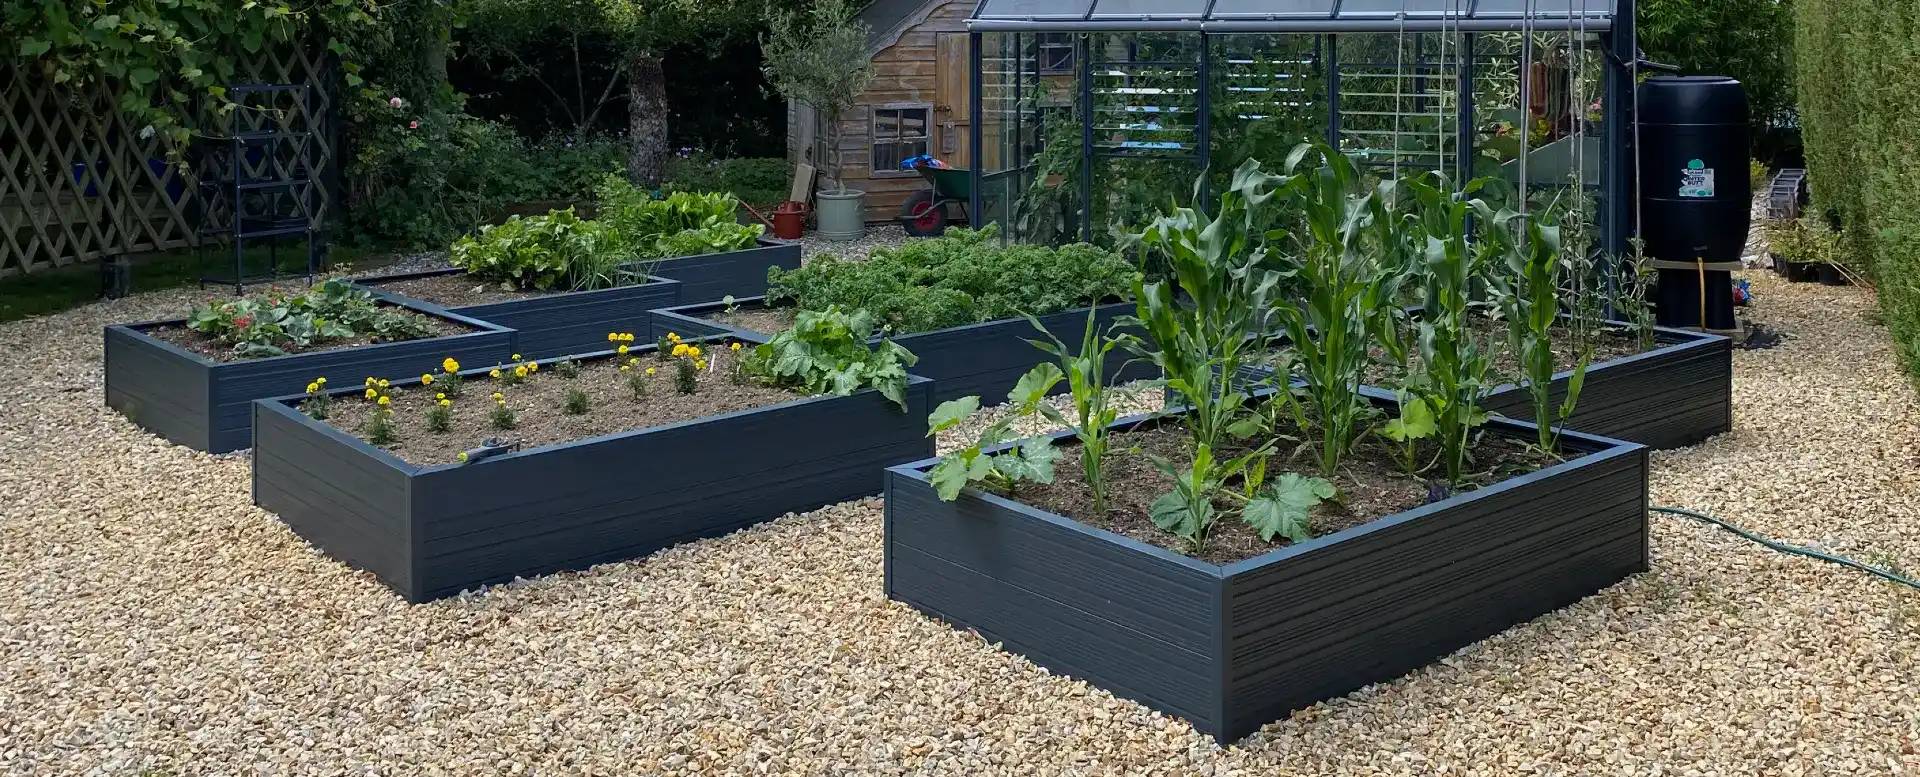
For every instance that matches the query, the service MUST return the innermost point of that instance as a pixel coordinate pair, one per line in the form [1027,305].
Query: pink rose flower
[396,103]
[413,125]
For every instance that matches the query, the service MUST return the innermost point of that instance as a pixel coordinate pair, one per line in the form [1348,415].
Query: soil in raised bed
[455,290]
[211,347]
[760,319]
[539,400]
[1609,344]
[1371,485]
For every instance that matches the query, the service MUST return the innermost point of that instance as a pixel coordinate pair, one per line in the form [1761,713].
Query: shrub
[679,224]
[965,277]
[758,181]
[1857,89]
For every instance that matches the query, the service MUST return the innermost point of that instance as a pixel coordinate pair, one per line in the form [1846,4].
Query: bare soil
[210,347]
[459,290]
[539,405]
[1371,486]
[760,319]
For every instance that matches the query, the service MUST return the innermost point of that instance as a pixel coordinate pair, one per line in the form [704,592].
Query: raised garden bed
[550,324]
[1232,646]
[202,401]
[976,359]
[738,274]
[430,529]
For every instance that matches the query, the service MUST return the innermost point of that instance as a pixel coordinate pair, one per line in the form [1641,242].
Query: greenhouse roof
[1292,15]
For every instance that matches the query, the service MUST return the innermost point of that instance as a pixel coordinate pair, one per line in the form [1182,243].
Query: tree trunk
[646,119]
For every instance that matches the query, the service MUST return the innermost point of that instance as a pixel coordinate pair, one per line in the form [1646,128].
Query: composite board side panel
[577,322]
[354,507]
[739,274]
[1669,398]
[1077,603]
[1379,604]
[629,495]
[237,384]
[163,391]
[986,359]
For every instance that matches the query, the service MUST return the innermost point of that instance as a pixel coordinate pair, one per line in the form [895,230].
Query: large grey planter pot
[977,359]
[433,531]
[841,216]
[1233,647]
[205,404]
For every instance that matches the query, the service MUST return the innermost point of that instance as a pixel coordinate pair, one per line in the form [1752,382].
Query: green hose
[1793,549]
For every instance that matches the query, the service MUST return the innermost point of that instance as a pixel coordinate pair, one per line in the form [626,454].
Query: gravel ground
[153,622]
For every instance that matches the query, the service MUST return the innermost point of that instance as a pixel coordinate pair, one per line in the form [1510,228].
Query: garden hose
[1797,550]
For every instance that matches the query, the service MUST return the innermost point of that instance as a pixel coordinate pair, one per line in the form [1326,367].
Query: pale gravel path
[150,618]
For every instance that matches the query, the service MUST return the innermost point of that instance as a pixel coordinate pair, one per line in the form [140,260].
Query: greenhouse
[1094,113]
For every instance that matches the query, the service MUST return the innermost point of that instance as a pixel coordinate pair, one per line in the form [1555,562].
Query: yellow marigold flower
[626,368]
[446,402]
[694,351]
[383,383]
[649,372]
[613,337]
[322,380]
[386,400]
[495,373]
[369,382]
[497,396]
[441,395]
[313,387]
[735,346]
[673,337]
[426,380]
[629,337]
[462,457]
[450,366]
[516,357]
[680,350]
[622,350]
[533,366]
[699,364]
[519,372]
[371,393]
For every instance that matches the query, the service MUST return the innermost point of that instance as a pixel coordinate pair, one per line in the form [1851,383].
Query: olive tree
[819,57]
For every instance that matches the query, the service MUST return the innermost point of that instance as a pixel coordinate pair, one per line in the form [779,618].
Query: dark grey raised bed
[559,324]
[740,274]
[1673,396]
[1232,647]
[204,404]
[433,531]
[977,359]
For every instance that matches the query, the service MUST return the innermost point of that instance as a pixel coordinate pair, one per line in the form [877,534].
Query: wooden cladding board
[1233,647]
[977,359]
[429,532]
[555,325]
[203,404]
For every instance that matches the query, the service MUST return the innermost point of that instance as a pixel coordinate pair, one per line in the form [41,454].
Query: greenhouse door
[950,99]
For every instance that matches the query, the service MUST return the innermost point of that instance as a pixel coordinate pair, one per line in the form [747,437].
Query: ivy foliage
[964,277]
[1860,113]
[170,58]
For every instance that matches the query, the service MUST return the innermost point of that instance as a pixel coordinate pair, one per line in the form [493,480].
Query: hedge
[1860,110]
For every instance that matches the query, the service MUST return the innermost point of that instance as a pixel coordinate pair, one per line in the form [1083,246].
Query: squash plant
[826,352]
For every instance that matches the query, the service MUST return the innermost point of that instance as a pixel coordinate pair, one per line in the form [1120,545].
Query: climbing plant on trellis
[79,181]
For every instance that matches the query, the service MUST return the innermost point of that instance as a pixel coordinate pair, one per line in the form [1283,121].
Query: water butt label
[1697,180]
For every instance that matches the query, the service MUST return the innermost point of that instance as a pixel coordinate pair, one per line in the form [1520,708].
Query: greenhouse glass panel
[1149,9]
[1033,9]
[1274,9]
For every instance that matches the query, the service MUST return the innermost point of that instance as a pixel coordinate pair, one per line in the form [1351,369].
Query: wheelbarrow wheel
[924,215]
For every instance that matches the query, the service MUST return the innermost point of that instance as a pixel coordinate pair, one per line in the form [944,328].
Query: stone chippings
[153,621]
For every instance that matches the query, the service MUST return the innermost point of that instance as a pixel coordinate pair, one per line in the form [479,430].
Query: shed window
[900,132]
[1056,52]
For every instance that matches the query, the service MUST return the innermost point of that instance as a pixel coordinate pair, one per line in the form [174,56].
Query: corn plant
[1342,285]
[1086,375]
[1454,364]
[1029,460]
[1529,298]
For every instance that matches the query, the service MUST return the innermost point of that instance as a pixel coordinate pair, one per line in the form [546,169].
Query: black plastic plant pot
[205,404]
[1832,276]
[1232,647]
[430,531]
[976,359]
[1803,272]
[738,274]
[558,324]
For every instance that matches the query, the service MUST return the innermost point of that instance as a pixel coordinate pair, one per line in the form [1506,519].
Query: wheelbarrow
[925,213]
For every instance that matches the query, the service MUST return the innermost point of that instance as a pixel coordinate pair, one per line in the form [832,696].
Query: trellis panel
[79,182]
